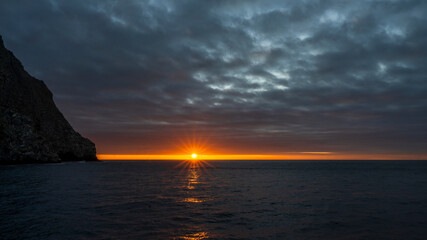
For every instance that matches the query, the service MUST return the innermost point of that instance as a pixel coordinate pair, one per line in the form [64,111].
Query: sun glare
[194,156]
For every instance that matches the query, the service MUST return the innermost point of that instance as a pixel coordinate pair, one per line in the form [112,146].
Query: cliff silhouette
[32,129]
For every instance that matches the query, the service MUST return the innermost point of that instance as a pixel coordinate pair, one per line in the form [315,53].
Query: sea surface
[215,200]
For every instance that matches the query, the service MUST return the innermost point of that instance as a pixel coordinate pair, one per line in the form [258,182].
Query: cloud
[250,76]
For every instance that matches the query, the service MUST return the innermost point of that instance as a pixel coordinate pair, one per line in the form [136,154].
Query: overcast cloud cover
[249,76]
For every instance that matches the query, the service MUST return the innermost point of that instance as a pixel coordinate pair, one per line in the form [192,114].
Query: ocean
[220,200]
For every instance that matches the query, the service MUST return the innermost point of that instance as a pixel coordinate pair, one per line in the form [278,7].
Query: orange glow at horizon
[195,148]
[301,156]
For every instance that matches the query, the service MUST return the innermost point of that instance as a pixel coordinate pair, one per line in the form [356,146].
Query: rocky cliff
[32,129]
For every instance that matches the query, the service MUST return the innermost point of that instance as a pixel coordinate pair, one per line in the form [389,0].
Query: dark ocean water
[230,200]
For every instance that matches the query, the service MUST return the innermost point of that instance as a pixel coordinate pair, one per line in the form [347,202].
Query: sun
[193,147]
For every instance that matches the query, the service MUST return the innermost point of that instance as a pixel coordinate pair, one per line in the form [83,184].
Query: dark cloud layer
[249,76]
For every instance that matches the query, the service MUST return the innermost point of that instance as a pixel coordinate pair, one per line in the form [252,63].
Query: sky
[248,77]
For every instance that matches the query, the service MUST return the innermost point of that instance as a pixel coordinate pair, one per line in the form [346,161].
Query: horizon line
[305,156]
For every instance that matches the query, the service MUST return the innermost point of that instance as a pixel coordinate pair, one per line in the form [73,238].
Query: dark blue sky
[247,76]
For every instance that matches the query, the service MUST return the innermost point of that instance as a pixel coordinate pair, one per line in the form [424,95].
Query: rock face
[32,129]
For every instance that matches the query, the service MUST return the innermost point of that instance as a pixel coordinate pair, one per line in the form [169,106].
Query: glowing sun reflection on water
[192,179]
[195,236]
